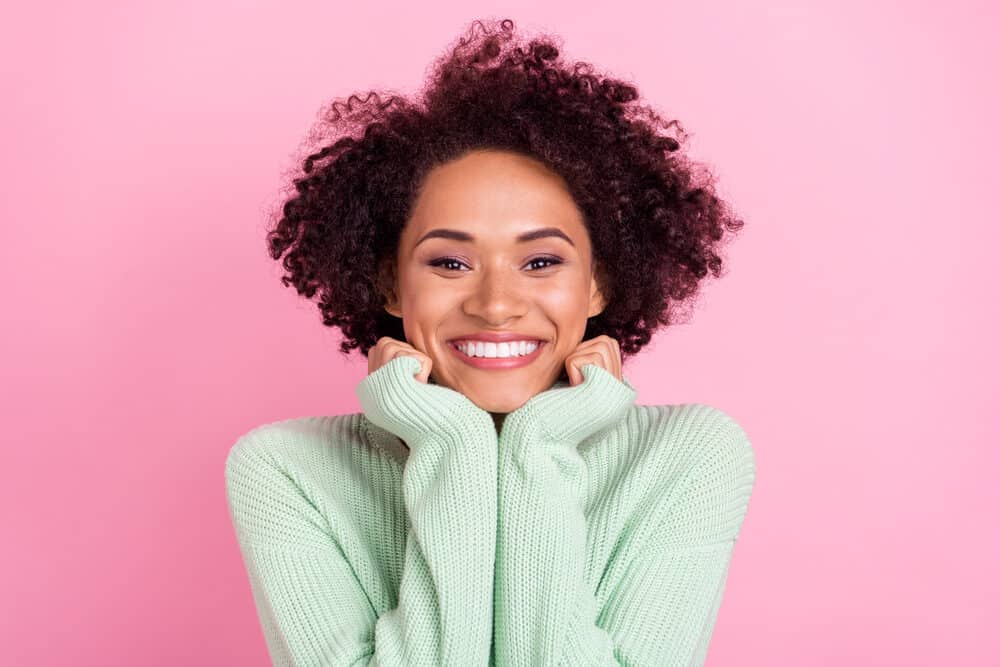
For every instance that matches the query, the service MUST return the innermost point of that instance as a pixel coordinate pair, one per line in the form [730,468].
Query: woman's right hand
[387,348]
[410,407]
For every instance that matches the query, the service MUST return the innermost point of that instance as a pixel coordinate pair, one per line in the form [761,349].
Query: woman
[494,251]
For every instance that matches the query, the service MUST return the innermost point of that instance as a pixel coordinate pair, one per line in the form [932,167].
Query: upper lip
[496,337]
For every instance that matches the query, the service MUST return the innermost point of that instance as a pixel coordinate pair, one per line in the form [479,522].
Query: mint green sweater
[590,531]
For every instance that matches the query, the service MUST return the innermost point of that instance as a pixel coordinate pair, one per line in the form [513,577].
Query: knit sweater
[589,531]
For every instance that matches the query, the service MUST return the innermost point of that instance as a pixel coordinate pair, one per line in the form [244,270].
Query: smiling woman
[496,249]
[605,162]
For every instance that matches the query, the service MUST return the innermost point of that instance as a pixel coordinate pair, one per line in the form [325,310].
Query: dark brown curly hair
[654,220]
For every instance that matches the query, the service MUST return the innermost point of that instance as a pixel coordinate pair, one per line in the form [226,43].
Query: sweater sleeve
[668,570]
[311,604]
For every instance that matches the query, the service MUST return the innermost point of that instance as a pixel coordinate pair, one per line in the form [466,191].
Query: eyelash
[552,260]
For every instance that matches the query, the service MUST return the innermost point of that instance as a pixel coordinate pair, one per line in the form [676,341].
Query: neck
[498,418]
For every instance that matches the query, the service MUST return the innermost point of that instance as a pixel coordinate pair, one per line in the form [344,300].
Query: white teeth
[497,350]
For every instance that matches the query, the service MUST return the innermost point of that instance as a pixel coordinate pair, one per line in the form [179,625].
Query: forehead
[494,194]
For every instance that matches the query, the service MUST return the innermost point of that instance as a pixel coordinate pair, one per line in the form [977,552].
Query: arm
[313,609]
[671,574]
[666,575]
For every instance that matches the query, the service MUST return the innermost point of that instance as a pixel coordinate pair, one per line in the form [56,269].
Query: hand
[602,350]
[387,348]
[410,407]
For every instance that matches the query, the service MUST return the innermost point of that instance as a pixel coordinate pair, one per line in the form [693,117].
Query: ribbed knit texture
[591,531]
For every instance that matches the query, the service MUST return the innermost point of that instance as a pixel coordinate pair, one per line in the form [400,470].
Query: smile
[497,363]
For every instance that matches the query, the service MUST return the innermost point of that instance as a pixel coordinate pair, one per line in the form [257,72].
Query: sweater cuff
[393,399]
[569,414]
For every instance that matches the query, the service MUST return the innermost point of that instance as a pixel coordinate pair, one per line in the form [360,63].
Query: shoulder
[275,437]
[660,448]
[692,436]
[300,443]
[299,481]
[329,462]
[709,496]
[686,453]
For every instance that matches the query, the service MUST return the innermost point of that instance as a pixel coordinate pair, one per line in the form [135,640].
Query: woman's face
[462,270]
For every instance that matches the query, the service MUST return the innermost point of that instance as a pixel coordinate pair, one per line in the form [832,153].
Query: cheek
[565,306]
[425,305]
[422,293]
[432,301]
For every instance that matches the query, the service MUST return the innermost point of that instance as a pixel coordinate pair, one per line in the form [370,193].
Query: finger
[388,349]
[603,351]
[574,366]
[616,357]
[407,350]
[425,370]
[611,352]
[572,373]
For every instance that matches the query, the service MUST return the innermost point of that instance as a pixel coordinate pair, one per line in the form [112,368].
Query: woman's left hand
[602,350]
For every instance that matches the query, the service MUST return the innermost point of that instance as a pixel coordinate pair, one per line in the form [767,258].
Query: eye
[551,260]
[446,261]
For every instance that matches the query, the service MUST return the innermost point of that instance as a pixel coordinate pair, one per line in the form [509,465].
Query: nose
[497,297]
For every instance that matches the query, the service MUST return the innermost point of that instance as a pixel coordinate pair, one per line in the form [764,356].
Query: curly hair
[652,214]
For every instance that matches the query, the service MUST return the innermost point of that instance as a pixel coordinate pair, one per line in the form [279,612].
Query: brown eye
[451,264]
[441,261]
[551,260]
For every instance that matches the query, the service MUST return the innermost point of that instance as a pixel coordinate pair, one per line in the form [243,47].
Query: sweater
[590,531]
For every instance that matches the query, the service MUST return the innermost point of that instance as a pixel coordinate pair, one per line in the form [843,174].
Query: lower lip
[497,363]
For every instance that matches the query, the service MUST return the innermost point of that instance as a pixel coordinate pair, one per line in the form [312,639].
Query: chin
[508,402]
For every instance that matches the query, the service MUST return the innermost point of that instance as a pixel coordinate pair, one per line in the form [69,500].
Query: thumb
[425,370]
[574,374]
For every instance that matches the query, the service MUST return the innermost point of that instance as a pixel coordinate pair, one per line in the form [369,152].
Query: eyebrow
[457,235]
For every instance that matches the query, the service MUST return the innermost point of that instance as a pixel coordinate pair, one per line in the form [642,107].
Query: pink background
[853,336]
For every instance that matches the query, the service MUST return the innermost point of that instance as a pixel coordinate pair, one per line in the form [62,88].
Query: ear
[598,301]
[386,283]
